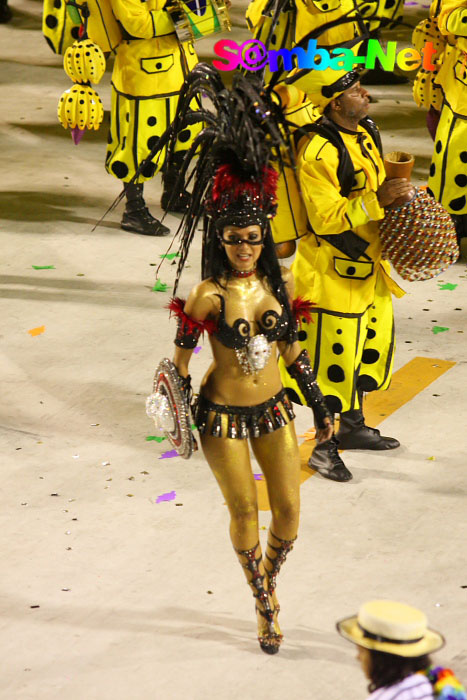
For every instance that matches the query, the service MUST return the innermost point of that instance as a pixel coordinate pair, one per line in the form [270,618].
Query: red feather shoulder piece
[301,309]
[177,307]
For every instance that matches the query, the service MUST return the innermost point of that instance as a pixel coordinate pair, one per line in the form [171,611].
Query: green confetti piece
[439,329]
[159,287]
[43,267]
[170,256]
[193,427]
[447,285]
[156,438]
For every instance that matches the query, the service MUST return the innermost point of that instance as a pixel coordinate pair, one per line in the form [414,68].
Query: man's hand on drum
[392,189]
[323,434]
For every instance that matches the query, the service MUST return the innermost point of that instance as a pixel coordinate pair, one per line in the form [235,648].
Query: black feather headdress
[229,164]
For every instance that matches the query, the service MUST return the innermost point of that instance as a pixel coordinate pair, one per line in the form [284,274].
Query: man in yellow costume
[338,265]
[448,171]
[150,67]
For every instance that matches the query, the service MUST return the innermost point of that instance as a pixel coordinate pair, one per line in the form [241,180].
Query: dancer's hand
[323,434]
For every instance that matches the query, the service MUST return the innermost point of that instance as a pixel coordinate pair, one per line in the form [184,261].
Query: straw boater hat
[395,628]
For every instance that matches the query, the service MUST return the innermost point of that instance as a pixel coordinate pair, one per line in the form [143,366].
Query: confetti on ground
[156,438]
[105,464]
[159,286]
[309,435]
[197,349]
[439,329]
[431,459]
[130,495]
[170,496]
[447,285]
[43,267]
[170,256]
[258,477]
[36,331]
[169,454]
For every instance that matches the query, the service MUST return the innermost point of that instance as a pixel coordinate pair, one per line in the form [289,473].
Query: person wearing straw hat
[338,265]
[394,643]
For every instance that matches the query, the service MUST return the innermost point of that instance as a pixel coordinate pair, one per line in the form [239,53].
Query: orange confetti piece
[309,435]
[37,331]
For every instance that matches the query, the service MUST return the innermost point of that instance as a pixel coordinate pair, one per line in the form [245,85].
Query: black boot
[326,460]
[137,217]
[5,12]
[174,197]
[355,435]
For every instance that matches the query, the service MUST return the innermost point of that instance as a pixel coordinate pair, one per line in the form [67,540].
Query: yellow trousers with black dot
[448,170]
[349,352]
[136,125]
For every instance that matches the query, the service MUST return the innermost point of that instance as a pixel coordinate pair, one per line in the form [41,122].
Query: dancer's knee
[244,514]
[287,513]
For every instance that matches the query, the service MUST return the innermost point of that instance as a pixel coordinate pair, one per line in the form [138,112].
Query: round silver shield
[170,410]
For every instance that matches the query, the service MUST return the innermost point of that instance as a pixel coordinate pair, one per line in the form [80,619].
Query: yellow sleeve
[328,211]
[453,18]
[140,22]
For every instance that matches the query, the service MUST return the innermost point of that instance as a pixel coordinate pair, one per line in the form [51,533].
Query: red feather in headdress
[228,181]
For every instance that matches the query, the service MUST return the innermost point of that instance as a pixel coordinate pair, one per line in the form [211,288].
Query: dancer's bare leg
[279,459]
[229,460]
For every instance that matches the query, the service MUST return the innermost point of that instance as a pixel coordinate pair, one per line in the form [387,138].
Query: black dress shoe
[141,221]
[366,438]
[325,459]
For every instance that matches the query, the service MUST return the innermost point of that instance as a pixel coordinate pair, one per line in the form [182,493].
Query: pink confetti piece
[197,349]
[258,477]
[169,454]
[170,496]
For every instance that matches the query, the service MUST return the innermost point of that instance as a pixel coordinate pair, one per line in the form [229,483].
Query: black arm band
[187,334]
[301,371]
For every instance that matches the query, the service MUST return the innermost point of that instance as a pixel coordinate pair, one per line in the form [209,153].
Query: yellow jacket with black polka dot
[452,75]
[308,17]
[323,273]
[150,61]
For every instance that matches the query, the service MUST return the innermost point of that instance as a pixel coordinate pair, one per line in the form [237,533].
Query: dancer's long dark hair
[244,128]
